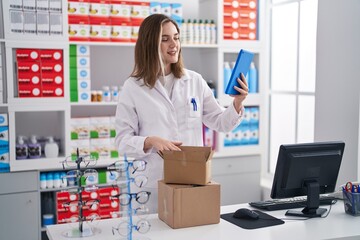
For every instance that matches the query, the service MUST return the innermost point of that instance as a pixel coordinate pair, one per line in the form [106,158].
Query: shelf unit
[33,114]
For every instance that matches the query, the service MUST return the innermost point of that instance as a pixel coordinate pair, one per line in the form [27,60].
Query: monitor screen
[307,169]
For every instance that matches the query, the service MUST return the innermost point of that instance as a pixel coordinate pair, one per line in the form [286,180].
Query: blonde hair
[148,61]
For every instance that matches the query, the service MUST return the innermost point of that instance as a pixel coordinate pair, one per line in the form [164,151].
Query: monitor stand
[312,209]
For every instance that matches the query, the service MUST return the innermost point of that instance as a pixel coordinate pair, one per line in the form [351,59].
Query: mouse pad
[265,220]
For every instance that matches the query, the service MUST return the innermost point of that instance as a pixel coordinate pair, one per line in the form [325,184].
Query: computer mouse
[244,213]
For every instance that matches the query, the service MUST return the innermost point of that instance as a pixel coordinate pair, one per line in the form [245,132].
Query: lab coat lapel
[162,91]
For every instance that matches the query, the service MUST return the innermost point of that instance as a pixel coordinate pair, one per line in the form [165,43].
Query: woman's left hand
[244,91]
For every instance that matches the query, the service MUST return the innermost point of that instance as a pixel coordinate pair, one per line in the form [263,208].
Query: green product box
[73,74]
[73,62]
[72,50]
[73,85]
[102,176]
[74,97]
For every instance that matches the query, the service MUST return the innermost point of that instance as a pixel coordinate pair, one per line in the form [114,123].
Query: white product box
[29,22]
[82,50]
[79,30]
[83,73]
[121,32]
[100,32]
[55,5]
[29,5]
[84,96]
[42,5]
[111,176]
[166,9]
[83,145]
[80,128]
[16,21]
[100,127]
[83,62]
[155,7]
[43,23]
[56,25]
[120,11]
[16,4]
[99,9]
[100,147]
[84,85]
[78,9]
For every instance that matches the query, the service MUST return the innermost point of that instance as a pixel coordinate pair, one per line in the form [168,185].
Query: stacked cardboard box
[187,196]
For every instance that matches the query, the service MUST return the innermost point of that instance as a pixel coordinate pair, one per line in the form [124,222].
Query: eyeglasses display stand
[127,229]
[84,227]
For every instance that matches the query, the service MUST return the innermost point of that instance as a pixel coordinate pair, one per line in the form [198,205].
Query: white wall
[338,80]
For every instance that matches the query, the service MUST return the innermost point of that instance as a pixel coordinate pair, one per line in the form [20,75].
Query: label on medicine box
[51,55]
[83,145]
[120,11]
[155,8]
[4,136]
[29,91]
[27,54]
[4,119]
[4,156]
[56,24]
[177,12]
[84,85]
[43,23]
[52,91]
[55,79]
[16,21]
[121,32]
[84,96]
[29,67]
[29,79]
[166,9]
[79,31]
[29,22]
[51,67]
[83,74]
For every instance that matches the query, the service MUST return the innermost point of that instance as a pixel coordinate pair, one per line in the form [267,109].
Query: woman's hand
[160,144]
[244,91]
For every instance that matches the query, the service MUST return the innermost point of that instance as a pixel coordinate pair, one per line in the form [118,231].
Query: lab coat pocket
[193,112]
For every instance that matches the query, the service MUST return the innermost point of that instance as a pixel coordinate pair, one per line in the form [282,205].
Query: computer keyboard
[289,203]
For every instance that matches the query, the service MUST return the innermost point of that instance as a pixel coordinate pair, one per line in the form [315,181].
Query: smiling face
[170,45]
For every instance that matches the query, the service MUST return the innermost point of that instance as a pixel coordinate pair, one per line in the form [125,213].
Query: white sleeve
[127,128]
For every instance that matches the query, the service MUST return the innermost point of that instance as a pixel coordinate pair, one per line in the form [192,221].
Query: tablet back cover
[242,65]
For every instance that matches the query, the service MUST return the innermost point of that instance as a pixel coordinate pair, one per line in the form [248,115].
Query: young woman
[163,105]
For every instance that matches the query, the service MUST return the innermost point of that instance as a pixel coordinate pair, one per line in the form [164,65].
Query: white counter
[338,225]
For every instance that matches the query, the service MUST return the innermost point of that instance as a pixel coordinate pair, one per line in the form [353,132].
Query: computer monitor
[307,169]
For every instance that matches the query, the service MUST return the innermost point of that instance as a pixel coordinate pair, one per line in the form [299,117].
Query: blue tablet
[242,65]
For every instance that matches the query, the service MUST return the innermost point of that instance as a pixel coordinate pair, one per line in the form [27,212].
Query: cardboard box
[191,165]
[181,206]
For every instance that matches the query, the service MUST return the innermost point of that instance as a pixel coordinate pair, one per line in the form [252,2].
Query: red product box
[140,10]
[52,91]
[51,67]
[27,54]
[120,32]
[105,193]
[78,9]
[29,91]
[28,67]
[52,79]
[250,4]
[120,11]
[110,204]
[100,30]
[237,34]
[29,79]
[79,29]
[66,196]
[52,55]
[99,10]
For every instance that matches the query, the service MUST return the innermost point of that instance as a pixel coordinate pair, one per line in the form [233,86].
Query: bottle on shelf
[42,180]
[213,32]
[207,32]
[106,94]
[183,32]
[253,79]
[114,93]
[21,149]
[51,148]
[196,27]
[49,180]
[227,74]
[57,181]
[190,32]
[34,148]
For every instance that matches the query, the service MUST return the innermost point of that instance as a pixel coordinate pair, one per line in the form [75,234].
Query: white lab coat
[143,112]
